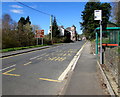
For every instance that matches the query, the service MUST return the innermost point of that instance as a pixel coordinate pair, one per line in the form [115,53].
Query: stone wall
[111,61]
[111,66]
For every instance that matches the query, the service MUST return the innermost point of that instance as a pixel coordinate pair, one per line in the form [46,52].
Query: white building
[62,30]
[72,31]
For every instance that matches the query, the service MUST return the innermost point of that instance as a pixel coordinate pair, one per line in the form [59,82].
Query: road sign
[98,15]
[39,34]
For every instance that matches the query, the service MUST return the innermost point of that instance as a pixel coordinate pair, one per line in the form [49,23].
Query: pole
[96,43]
[51,18]
[37,41]
[42,41]
[101,43]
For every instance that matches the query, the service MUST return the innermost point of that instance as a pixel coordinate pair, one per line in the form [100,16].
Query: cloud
[17,11]
[16,6]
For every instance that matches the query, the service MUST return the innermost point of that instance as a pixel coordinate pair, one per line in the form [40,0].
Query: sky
[59,0]
[66,13]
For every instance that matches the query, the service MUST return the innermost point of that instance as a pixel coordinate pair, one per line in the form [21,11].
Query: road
[37,72]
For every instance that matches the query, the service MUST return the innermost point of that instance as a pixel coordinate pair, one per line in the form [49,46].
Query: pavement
[84,79]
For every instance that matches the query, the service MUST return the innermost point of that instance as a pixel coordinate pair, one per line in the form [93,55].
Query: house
[110,24]
[62,30]
[73,32]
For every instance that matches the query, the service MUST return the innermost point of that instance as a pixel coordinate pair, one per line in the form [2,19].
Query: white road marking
[77,57]
[34,57]
[37,56]
[71,66]
[8,67]
[27,63]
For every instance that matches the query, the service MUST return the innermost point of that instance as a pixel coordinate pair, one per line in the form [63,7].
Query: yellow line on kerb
[49,80]
[7,73]
[19,54]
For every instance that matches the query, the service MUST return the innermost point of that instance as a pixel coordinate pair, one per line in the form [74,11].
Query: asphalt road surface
[37,72]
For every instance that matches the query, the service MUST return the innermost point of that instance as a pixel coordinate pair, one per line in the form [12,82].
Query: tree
[55,31]
[9,34]
[35,27]
[21,34]
[67,36]
[25,34]
[16,34]
[30,33]
[28,20]
[116,12]
[89,24]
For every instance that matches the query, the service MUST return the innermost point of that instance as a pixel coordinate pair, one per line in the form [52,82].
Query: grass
[20,48]
[119,50]
[104,40]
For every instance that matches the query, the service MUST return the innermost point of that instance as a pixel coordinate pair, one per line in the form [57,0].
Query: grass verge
[20,48]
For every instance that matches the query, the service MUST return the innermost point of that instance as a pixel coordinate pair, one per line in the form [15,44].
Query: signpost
[98,16]
[39,34]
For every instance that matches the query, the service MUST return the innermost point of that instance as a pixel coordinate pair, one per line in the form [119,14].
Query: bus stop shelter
[111,37]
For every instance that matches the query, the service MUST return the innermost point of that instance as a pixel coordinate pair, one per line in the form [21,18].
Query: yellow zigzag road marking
[63,59]
[69,54]
[57,58]
[64,54]
[52,58]
[49,80]
[7,73]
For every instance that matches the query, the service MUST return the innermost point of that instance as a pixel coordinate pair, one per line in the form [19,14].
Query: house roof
[110,24]
[68,28]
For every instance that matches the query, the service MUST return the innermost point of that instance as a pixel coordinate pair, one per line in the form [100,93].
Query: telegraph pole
[42,40]
[37,41]
[51,20]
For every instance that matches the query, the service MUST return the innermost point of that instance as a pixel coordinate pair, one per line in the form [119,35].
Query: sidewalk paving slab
[84,80]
